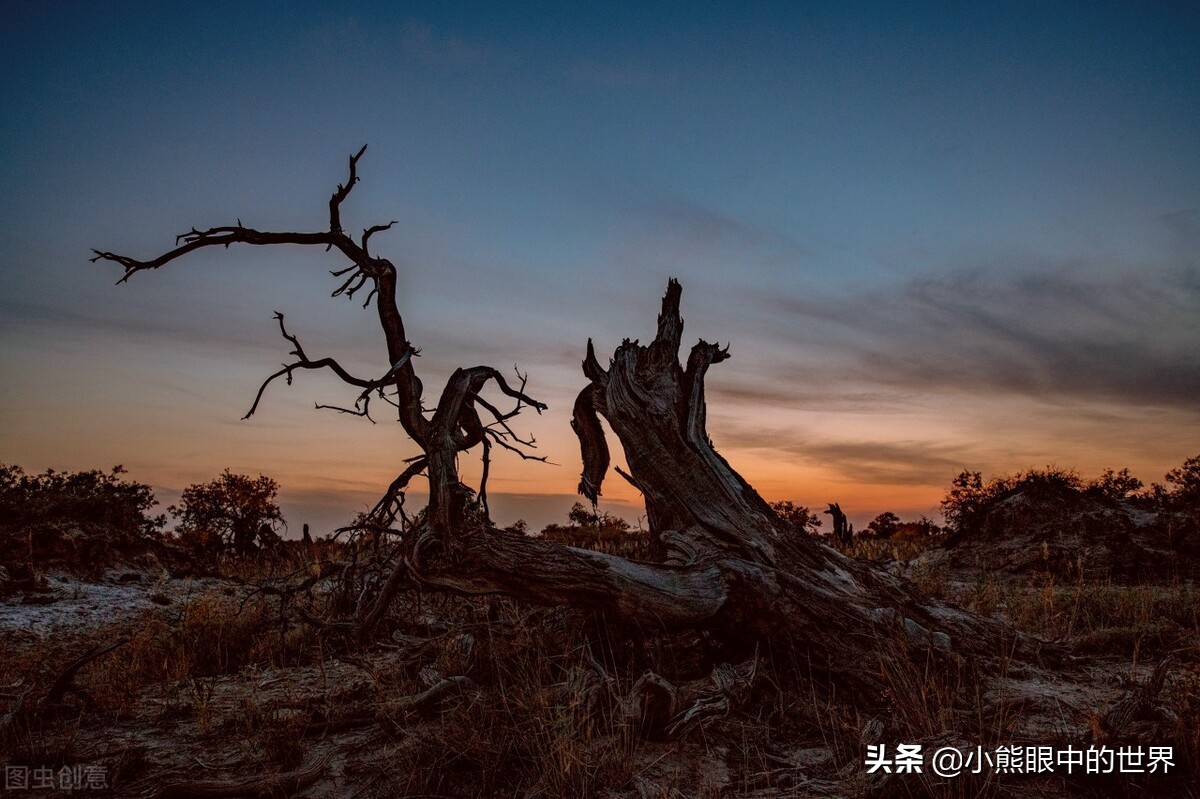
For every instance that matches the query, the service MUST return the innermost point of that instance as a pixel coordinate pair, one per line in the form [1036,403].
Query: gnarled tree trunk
[732,566]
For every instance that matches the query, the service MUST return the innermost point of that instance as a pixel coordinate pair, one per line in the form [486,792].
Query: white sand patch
[71,602]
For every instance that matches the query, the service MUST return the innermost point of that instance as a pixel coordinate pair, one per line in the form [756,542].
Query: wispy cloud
[1184,226]
[205,326]
[1119,334]
[671,233]
[795,391]
[898,463]
[349,39]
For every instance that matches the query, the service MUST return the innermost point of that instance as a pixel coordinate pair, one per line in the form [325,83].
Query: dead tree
[843,532]
[731,567]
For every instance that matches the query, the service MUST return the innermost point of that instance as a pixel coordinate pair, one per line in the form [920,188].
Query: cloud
[149,322]
[672,233]
[795,392]
[904,463]
[347,40]
[897,463]
[1184,226]
[1061,332]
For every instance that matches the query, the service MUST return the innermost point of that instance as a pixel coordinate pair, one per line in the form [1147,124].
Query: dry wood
[732,567]
[1137,704]
[66,680]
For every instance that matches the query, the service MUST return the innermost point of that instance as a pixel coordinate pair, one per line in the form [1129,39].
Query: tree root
[52,703]
[1138,704]
[662,710]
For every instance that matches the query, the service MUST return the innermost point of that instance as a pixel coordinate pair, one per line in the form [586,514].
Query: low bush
[75,521]
[93,498]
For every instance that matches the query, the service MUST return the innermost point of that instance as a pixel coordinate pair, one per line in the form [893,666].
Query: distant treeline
[239,514]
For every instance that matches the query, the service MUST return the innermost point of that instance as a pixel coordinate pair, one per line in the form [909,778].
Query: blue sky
[936,236]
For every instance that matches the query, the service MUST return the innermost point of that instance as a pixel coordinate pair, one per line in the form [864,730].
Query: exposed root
[1138,704]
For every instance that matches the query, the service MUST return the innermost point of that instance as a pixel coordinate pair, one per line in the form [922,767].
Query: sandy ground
[243,725]
[71,603]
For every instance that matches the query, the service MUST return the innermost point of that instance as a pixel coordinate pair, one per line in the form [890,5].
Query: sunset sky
[936,237]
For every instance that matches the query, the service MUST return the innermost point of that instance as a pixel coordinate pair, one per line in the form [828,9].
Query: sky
[936,236]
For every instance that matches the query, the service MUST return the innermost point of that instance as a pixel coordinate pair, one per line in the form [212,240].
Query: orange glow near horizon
[171,433]
[934,241]
[330,467]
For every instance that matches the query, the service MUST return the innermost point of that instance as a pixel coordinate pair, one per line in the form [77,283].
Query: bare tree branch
[335,202]
[592,442]
[385,510]
[371,231]
[364,269]
[498,438]
[303,362]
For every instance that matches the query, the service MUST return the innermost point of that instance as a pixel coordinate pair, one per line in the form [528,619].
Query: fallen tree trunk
[732,566]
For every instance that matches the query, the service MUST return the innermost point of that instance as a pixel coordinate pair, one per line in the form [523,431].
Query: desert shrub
[888,526]
[1114,485]
[602,522]
[964,502]
[603,532]
[74,521]
[229,513]
[1184,482]
[969,498]
[922,528]
[884,525]
[797,517]
[92,499]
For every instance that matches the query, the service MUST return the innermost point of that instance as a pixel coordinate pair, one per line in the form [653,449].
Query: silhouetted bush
[234,513]
[1184,492]
[798,517]
[884,525]
[1115,485]
[889,526]
[970,498]
[74,521]
[603,532]
[81,498]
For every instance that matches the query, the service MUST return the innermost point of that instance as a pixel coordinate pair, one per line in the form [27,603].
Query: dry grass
[899,547]
[174,649]
[528,730]
[212,634]
[541,721]
[1126,620]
